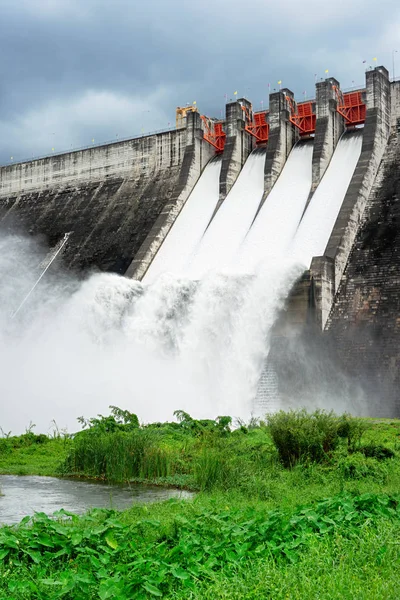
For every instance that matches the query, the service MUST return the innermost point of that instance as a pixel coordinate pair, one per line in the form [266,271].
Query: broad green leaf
[152,589]
[50,582]
[60,552]
[111,541]
[45,540]
[76,539]
[180,573]
[35,556]
[108,590]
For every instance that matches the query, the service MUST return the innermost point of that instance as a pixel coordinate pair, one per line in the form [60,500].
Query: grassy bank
[31,454]
[302,507]
[214,547]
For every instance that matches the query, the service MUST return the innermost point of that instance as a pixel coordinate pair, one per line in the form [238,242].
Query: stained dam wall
[340,330]
[109,196]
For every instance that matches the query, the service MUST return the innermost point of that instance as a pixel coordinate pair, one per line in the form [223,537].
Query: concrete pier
[282,137]
[328,128]
[238,145]
[327,270]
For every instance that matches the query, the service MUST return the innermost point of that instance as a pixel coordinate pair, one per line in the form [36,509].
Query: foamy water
[200,346]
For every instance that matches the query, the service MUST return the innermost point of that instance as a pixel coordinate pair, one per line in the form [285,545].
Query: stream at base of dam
[24,495]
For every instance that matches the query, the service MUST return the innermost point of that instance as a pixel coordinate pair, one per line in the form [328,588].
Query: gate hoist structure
[214,134]
[257,126]
[303,116]
[351,107]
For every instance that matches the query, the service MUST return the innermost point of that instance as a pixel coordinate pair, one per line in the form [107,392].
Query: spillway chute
[225,233]
[319,219]
[277,220]
[189,226]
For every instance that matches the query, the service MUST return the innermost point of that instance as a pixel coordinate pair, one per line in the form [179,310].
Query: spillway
[311,238]
[277,221]
[189,226]
[318,221]
[229,226]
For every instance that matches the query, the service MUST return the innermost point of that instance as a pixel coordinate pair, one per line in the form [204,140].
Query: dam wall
[108,197]
[238,146]
[364,322]
[132,157]
[328,269]
[120,200]
[339,334]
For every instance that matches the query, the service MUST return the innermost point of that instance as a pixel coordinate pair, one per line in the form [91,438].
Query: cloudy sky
[73,71]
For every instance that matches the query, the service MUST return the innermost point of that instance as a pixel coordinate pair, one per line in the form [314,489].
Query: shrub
[357,466]
[301,436]
[5,446]
[351,428]
[376,451]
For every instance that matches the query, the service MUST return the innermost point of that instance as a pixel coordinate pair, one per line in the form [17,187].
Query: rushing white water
[75,348]
[229,226]
[317,223]
[186,233]
[176,344]
[277,221]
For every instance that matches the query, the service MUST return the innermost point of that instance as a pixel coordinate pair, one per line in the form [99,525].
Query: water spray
[52,259]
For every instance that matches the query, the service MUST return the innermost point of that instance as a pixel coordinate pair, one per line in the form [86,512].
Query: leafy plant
[377,451]
[300,436]
[357,466]
[99,555]
[352,429]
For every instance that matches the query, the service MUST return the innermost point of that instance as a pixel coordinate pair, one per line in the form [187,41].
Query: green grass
[34,459]
[326,528]
[365,568]
[209,549]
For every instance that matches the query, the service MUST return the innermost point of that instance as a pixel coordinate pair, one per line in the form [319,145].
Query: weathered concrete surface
[197,154]
[108,196]
[328,128]
[365,320]
[322,277]
[238,145]
[298,309]
[395,106]
[355,363]
[282,137]
[375,137]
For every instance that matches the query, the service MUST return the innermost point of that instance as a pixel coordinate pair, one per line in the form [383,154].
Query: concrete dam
[259,252]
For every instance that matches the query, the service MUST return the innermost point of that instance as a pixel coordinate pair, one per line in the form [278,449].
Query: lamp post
[393,53]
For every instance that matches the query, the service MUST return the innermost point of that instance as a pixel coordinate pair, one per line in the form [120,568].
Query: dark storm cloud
[76,70]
